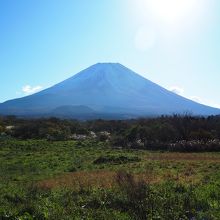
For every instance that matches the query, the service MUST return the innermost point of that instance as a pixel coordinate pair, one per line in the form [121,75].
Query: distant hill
[105,90]
[73,110]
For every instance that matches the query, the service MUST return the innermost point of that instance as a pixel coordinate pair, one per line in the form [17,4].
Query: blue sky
[175,44]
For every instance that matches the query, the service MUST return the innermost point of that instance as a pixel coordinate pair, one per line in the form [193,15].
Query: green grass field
[90,180]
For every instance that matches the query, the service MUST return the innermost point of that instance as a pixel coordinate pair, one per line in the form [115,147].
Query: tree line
[165,132]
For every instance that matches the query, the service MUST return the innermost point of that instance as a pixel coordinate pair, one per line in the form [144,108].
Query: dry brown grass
[87,179]
[183,157]
[80,179]
[107,179]
[189,164]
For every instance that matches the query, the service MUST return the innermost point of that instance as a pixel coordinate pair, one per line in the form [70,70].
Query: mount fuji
[104,90]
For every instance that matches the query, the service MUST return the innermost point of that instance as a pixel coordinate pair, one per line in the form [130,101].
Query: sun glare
[171,10]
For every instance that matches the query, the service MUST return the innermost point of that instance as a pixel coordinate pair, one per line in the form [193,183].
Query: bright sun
[170,11]
[165,18]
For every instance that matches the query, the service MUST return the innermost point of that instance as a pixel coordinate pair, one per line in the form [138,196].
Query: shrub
[114,159]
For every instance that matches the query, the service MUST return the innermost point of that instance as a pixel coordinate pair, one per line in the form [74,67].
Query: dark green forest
[174,133]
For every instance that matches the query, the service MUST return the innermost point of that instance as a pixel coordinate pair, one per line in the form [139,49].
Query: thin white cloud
[27,89]
[196,99]
[176,89]
[180,91]
[214,105]
[201,101]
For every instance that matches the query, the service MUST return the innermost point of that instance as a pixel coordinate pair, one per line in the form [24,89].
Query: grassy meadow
[88,179]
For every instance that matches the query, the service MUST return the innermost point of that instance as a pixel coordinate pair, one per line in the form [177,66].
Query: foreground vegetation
[155,168]
[88,179]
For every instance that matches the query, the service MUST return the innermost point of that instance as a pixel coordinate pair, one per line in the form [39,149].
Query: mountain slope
[106,88]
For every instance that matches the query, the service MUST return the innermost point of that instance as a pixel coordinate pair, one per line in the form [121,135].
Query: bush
[114,159]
